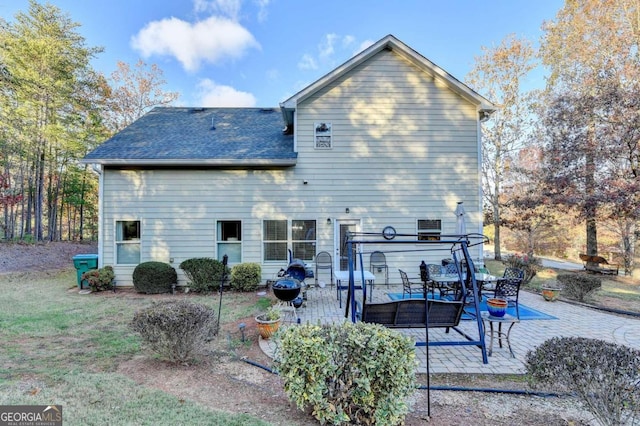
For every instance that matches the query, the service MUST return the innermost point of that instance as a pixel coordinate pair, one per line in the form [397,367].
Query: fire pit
[286,289]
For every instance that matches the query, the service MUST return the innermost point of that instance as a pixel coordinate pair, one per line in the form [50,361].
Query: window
[277,240]
[303,236]
[229,241]
[429,229]
[274,235]
[322,135]
[128,242]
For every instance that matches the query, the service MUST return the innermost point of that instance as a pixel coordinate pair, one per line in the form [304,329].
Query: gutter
[214,162]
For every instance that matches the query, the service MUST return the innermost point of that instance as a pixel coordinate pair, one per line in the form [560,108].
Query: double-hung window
[274,240]
[280,236]
[127,242]
[429,229]
[229,240]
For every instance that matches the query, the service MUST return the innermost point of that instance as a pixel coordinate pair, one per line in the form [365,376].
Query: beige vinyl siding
[178,211]
[405,148]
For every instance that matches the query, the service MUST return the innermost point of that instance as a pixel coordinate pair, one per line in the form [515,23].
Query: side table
[507,319]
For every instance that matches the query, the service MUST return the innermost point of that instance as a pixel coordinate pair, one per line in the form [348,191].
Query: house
[386,139]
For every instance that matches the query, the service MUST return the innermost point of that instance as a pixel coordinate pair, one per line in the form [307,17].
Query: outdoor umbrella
[461,227]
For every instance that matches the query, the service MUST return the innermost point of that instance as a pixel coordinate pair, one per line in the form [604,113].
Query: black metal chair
[323,261]
[508,287]
[378,260]
[409,287]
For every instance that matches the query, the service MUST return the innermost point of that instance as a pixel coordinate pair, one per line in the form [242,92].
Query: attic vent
[266,110]
[194,110]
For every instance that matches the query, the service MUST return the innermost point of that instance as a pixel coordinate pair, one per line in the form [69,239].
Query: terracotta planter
[497,307]
[550,294]
[267,328]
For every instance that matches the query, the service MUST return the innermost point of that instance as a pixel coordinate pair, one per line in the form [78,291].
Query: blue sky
[260,52]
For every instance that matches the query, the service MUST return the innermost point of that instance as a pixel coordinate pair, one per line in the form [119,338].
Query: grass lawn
[60,347]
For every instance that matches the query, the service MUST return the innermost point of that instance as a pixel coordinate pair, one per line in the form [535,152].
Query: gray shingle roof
[213,136]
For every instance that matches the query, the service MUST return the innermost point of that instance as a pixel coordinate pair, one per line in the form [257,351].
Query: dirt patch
[21,257]
[238,382]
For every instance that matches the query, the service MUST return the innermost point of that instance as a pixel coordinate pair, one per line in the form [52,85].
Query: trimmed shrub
[528,264]
[176,330]
[100,279]
[246,276]
[605,376]
[348,373]
[154,277]
[204,274]
[578,286]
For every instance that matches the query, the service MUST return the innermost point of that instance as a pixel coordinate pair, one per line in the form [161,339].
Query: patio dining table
[343,276]
[485,281]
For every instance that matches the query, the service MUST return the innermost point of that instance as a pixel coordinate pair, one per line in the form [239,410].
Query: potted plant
[550,293]
[269,322]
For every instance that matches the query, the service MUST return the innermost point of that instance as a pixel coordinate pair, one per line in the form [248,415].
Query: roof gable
[485,107]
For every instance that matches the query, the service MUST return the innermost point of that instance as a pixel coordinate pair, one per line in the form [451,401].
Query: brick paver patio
[572,321]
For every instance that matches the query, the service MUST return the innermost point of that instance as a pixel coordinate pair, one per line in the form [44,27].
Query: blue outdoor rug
[526,313]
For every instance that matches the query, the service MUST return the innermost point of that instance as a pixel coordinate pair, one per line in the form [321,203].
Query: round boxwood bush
[176,330]
[154,277]
[605,376]
[204,273]
[245,276]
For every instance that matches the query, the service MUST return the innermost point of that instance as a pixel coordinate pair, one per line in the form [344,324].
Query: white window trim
[116,242]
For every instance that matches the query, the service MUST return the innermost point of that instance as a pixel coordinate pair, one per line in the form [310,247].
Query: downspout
[483,115]
[97,169]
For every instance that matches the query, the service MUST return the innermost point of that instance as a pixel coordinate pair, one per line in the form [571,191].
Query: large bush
[154,277]
[176,330]
[204,274]
[528,264]
[348,373]
[100,279]
[246,276]
[578,286]
[605,376]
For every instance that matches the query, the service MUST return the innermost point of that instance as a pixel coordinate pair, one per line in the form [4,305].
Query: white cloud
[307,62]
[262,9]
[326,46]
[212,94]
[230,8]
[330,46]
[212,40]
[363,46]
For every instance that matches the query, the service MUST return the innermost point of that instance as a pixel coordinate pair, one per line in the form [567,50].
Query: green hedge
[154,277]
[204,273]
[246,276]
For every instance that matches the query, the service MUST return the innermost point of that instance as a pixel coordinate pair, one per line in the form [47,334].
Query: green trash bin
[84,263]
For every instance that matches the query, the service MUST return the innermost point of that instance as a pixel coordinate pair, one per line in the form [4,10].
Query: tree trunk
[496,208]
[591,207]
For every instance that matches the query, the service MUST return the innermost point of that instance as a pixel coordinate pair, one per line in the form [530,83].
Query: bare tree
[591,116]
[499,75]
[133,92]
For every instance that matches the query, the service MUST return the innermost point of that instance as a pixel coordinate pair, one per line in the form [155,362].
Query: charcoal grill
[287,289]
